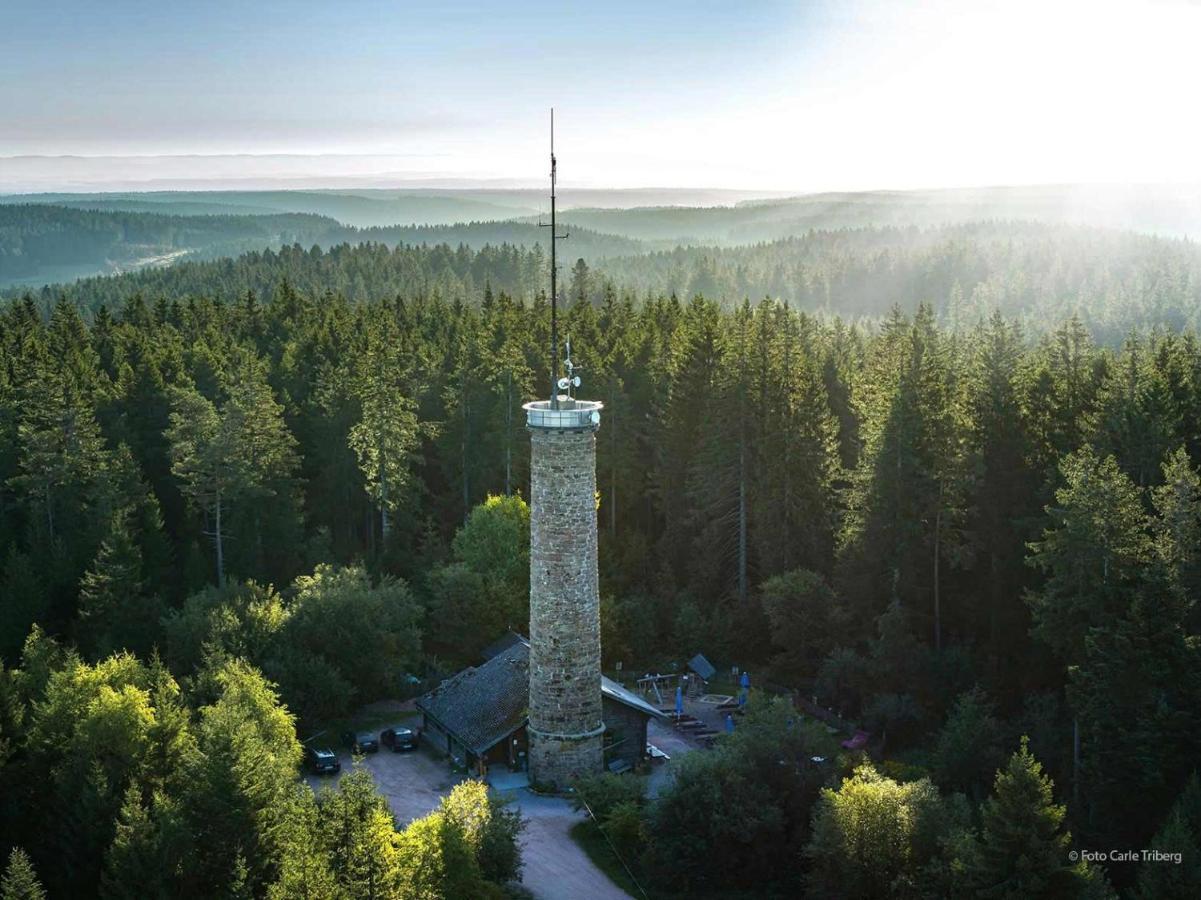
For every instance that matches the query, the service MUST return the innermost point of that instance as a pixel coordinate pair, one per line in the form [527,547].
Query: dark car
[361,741]
[321,762]
[398,737]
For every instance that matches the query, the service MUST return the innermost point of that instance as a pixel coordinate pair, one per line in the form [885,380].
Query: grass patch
[588,837]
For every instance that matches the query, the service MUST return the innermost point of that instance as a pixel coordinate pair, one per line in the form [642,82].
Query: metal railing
[572,415]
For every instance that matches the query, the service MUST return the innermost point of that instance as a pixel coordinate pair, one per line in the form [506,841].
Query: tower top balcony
[569,415]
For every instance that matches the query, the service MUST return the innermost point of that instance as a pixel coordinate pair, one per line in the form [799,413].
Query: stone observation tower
[565,725]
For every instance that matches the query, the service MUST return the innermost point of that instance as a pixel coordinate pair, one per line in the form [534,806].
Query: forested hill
[1114,281]
[1153,209]
[363,209]
[358,272]
[47,242]
[42,243]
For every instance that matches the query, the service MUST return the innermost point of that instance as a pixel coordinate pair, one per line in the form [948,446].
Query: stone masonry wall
[565,724]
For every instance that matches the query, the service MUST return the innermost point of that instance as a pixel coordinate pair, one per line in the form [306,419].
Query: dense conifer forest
[945,483]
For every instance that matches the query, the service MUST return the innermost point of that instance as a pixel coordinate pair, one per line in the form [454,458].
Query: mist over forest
[1119,257]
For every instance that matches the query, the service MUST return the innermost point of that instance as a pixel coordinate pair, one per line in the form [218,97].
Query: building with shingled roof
[478,716]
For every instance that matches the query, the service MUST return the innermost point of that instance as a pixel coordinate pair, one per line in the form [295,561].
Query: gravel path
[555,866]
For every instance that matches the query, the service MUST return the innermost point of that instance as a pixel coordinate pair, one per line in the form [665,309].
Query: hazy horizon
[188,172]
[776,97]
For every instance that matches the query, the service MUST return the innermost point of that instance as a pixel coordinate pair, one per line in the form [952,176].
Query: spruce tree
[1137,693]
[1092,552]
[110,591]
[1163,878]
[1177,525]
[1023,853]
[304,869]
[20,882]
[1003,496]
[385,437]
[233,456]
[361,841]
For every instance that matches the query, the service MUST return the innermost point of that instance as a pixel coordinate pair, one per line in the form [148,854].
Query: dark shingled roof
[508,642]
[482,706]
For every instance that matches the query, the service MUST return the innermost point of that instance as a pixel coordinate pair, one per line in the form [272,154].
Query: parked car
[398,737]
[361,741]
[321,761]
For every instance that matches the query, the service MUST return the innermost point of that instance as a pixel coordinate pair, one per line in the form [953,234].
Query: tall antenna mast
[555,237]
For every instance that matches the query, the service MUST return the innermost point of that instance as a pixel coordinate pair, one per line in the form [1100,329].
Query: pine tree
[356,824]
[20,882]
[109,591]
[719,476]
[26,601]
[1075,373]
[1093,554]
[1094,549]
[793,448]
[137,864]
[1136,419]
[1003,496]
[968,748]
[62,462]
[581,282]
[204,459]
[512,381]
[1023,853]
[385,437]
[1164,879]
[232,456]
[683,417]
[304,869]
[905,517]
[1177,525]
[234,802]
[1137,694]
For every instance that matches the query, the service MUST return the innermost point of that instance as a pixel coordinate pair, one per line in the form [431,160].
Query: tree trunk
[937,598]
[742,587]
[383,505]
[217,539]
[463,449]
[1076,762]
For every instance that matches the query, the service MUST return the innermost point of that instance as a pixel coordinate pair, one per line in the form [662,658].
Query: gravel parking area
[555,866]
[413,781]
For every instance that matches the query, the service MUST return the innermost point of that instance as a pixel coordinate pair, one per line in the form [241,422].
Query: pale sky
[803,96]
